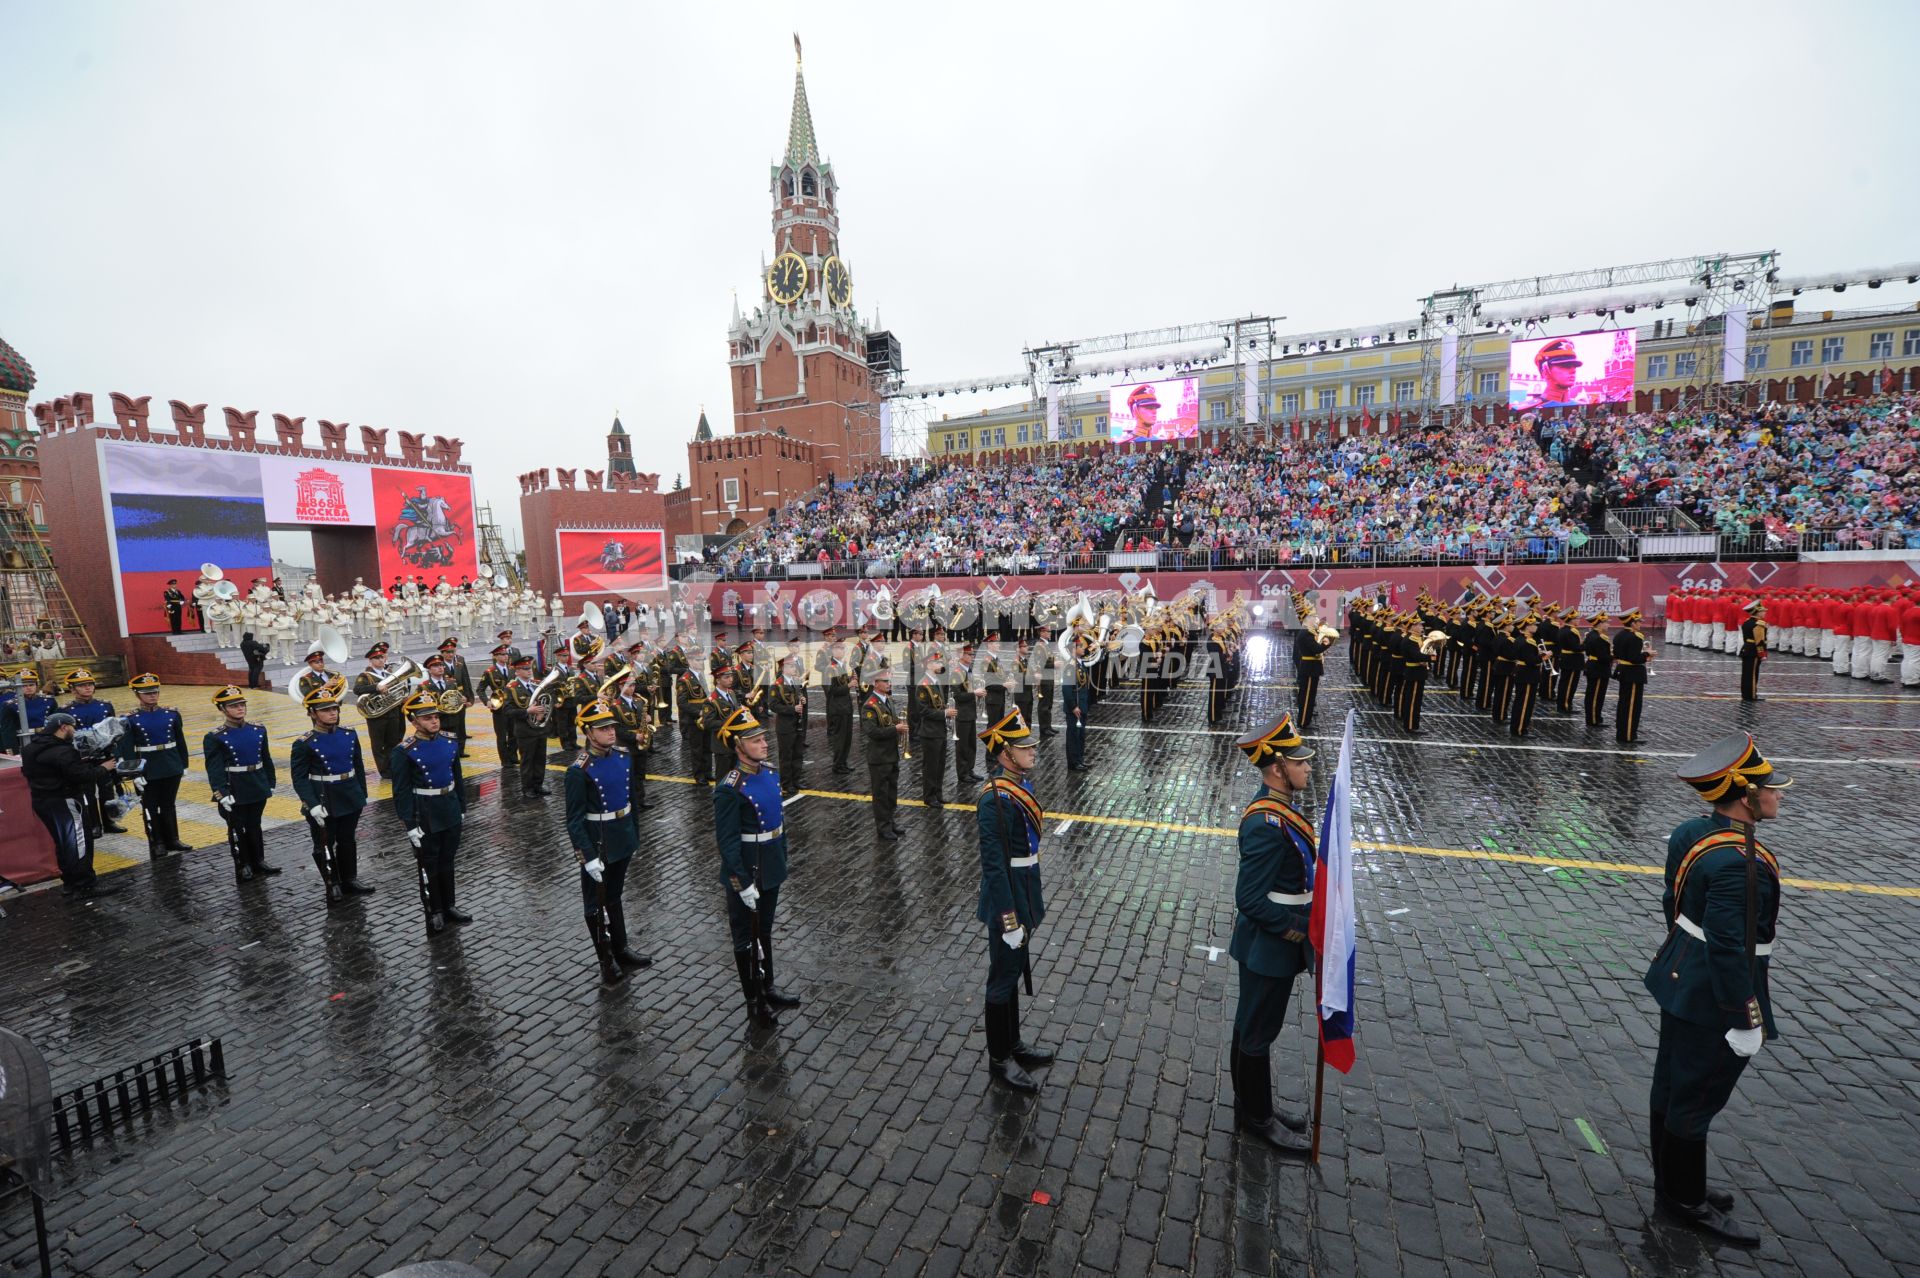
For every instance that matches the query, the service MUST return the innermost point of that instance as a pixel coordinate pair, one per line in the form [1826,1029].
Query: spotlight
[1692,301]
[1839,288]
[1630,306]
[1873,283]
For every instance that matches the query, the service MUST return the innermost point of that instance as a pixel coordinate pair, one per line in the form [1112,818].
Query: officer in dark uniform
[1596,651]
[691,693]
[993,693]
[718,709]
[457,677]
[749,824]
[241,775]
[1309,649]
[1007,819]
[176,604]
[1710,977]
[385,730]
[836,680]
[157,735]
[1630,657]
[430,802]
[1023,688]
[1046,673]
[493,687]
[633,731]
[930,732]
[1273,894]
[316,675]
[963,694]
[330,776]
[882,733]
[786,700]
[1413,677]
[1753,650]
[1568,660]
[438,683]
[600,824]
[1528,663]
[1078,685]
[87,710]
[526,726]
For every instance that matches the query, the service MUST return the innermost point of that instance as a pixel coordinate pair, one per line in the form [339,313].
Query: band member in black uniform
[176,603]
[1710,977]
[1022,691]
[1528,662]
[493,688]
[963,694]
[697,742]
[930,736]
[600,825]
[1007,820]
[836,681]
[330,776]
[430,802]
[1596,651]
[157,735]
[1753,649]
[1413,678]
[1486,658]
[882,733]
[1046,676]
[1568,661]
[1310,644]
[241,775]
[460,679]
[316,675]
[1273,896]
[527,726]
[1506,654]
[786,700]
[750,826]
[993,691]
[1630,657]
[383,731]
[633,731]
[718,709]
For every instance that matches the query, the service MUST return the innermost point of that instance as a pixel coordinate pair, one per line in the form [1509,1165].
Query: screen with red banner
[423,520]
[611,561]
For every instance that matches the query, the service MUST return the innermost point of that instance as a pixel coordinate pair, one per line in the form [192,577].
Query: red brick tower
[798,365]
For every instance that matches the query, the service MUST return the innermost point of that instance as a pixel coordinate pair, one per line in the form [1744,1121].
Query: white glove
[750,897]
[1746,1042]
[318,812]
[139,785]
[1016,938]
[226,803]
[416,836]
[595,868]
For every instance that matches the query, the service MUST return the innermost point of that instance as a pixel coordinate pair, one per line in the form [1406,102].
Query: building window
[1911,346]
[1362,396]
[729,492]
[1656,367]
[1685,363]
[1801,352]
[1020,433]
[1833,349]
[1403,392]
[1757,358]
[19,495]
[1489,384]
[1880,346]
[1218,410]
[1100,424]
[1326,398]
[965,439]
[39,519]
[1290,404]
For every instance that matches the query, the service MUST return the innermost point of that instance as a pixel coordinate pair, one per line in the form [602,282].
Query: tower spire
[802,147]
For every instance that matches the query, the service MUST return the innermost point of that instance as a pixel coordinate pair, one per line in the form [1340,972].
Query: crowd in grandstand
[1527,489]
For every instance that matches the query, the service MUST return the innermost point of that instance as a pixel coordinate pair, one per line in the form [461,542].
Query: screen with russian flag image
[611,561]
[173,509]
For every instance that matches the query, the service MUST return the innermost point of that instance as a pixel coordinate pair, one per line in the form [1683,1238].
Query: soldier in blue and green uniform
[750,825]
[156,735]
[599,790]
[330,776]
[1273,893]
[88,710]
[38,708]
[1008,819]
[428,797]
[1722,901]
[241,774]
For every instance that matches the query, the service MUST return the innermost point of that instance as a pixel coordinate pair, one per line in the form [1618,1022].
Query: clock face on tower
[787,278]
[839,282]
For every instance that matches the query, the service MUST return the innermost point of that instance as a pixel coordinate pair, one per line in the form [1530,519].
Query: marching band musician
[87,710]
[720,705]
[241,775]
[930,731]
[527,726]
[383,731]
[1527,665]
[494,681]
[428,798]
[1753,650]
[1569,658]
[882,733]
[1309,649]
[599,823]
[316,675]
[632,731]
[1007,820]
[1630,657]
[457,678]
[1596,651]
[156,734]
[749,824]
[1086,660]
[964,696]
[691,693]
[1414,660]
[787,700]
[836,679]
[330,776]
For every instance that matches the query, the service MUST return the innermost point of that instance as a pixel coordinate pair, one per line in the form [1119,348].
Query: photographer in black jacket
[61,782]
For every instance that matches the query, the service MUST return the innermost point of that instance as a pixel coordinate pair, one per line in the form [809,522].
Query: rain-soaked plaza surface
[481,1097]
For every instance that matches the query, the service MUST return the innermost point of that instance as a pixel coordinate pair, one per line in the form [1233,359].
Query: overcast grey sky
[503,222]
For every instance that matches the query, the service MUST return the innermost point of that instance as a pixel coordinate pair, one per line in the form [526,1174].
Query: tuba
[540,704]
[389,693]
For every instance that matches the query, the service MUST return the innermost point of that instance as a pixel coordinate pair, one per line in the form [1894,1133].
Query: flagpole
[1319,1077]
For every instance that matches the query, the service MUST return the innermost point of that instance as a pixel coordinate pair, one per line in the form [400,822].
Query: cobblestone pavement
[481,1097]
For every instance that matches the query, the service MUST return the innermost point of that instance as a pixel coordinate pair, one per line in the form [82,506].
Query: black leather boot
[1029,1056]
[1000,1061]
[1683,1193]
[777,997]
[626,958]
[445,886]
[1253,1105]
[758,1013]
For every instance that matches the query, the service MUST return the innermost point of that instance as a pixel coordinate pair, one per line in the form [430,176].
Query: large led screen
[611,561]
[1154,410]
[1566,372]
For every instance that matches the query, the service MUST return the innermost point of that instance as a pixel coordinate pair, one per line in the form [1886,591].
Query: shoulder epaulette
[1271,807]
[732,779]
[410,741]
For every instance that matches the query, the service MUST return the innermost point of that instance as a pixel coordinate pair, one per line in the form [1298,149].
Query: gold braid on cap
[1742,776]
[1283,737]
[739,721]
[1011,728]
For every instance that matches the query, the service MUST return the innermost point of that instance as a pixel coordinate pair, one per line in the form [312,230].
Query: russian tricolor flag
[1332,928]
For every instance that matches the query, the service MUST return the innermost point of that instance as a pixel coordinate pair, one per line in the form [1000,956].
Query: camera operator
[61,783]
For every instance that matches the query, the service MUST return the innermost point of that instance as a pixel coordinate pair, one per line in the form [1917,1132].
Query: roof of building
[618,429]
[802,146]
[703,432]
[16,374]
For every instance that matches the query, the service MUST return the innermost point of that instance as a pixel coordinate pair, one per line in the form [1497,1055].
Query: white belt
[245,767]
[764,836]
[1022,862]
[330,776]
[422,794]
[1698,933]
[1290,898]
[608,816]
[151,749]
